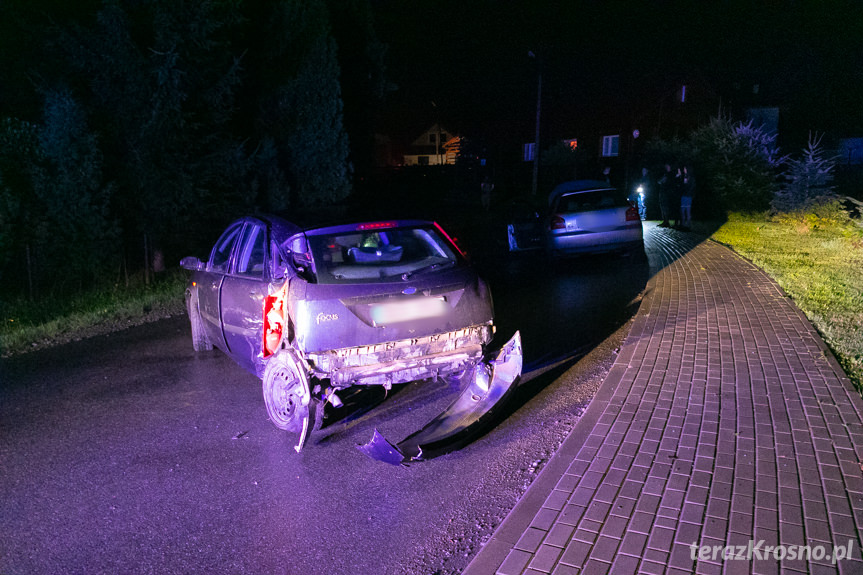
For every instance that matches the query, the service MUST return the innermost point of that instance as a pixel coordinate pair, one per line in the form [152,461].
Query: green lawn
[29,325]
[817,258]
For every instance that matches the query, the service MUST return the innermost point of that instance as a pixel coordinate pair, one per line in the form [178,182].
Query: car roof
[577,186]
[278,226]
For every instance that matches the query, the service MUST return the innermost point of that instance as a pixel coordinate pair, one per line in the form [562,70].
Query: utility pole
[538,113]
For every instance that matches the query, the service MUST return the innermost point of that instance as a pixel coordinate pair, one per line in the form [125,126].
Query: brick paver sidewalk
[724,420]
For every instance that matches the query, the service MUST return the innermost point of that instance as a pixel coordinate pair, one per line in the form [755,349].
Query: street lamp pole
[538,113]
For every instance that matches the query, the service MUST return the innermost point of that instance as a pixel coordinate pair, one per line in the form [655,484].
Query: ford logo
[409,291]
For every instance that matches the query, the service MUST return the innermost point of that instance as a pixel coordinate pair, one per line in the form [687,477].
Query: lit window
[610,145]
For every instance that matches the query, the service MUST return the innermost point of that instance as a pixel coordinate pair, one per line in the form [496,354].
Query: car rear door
[243,292]
[210,286]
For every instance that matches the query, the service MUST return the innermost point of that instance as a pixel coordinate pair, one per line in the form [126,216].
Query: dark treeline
[131,129]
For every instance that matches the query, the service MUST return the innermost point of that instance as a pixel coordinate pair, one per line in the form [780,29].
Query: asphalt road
[129,453]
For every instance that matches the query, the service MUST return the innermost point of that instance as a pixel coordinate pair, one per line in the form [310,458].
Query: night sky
[604,60]
[466,64]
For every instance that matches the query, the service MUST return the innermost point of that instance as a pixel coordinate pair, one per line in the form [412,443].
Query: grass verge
[817,258]
[31,325]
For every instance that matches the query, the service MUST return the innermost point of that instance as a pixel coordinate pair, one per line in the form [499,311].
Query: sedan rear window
[367,256]
[591,200]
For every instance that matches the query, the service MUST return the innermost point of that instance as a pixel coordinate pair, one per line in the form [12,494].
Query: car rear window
[591,200]
[380,255]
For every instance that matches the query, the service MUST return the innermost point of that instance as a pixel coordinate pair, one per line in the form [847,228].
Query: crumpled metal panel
[382,450]
[492,382]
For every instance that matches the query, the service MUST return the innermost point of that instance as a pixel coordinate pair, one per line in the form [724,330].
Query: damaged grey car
[314,311]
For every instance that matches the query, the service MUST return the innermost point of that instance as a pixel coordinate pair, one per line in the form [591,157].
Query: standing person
[666,192]
[606,174]
[486,188]
[676,191]
[639,193]
[687,192]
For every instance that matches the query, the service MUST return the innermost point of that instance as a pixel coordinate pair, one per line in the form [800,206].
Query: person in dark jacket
[639,193]
[687,193]
[665,186]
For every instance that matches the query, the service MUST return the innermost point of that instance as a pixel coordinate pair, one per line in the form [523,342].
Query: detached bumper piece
[492,381]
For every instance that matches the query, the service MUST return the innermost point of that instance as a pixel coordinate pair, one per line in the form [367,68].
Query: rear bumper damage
[491,382]
[402,361]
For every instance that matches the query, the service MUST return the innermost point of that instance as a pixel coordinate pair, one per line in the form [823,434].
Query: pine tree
[740,163]
[302,110]
[73,228]
[808,179]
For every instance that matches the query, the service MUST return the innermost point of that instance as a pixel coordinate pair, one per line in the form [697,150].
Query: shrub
[808,180]
[739,163]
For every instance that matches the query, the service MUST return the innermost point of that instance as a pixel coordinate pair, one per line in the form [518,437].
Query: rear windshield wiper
[431,267]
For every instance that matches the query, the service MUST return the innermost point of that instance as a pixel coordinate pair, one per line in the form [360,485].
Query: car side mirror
[192,263]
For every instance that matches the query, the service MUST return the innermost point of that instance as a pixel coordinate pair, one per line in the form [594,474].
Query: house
[436,146]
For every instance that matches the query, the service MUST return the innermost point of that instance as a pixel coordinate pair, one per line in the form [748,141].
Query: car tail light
[632,214]
[274,320]
[377,226]
[557,223]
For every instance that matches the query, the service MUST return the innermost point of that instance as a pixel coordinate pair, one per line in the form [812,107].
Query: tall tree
[163,78]
[364,79]
[302,105]
[73,226]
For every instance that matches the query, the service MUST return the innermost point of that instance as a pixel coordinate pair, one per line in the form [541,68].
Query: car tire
[288,396]
[200,341]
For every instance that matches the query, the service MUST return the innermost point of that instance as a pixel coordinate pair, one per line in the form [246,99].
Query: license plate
[414,309]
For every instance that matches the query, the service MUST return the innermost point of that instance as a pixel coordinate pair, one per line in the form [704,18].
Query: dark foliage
[808,179]
[160,120]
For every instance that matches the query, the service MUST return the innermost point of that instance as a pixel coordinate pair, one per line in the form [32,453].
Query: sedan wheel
[288,397]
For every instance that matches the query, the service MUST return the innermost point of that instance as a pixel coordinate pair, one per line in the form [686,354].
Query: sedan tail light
[558,223]
[632,214]
[274,321]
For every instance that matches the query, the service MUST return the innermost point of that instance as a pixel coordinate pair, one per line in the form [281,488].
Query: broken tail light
[557,222]
[274,321]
